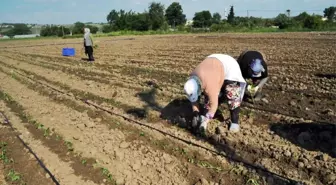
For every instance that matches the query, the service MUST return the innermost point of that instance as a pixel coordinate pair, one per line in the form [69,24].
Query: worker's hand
[196,119]
[205,120]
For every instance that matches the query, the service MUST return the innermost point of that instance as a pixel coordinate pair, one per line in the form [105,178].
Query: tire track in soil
[62,169]
[107,136]
[19,166]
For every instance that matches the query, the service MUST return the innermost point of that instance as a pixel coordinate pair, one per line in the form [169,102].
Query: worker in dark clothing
[254,68]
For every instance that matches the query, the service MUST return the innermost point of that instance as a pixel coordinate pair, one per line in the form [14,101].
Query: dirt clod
[120,181]
[136,165]
[292,103]
[329,179]
[204,181]
[124,145]
[287,153]
[265,100]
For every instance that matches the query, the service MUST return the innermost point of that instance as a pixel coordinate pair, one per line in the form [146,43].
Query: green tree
[216,18]
[156,15]
[19,29]
[93,29]
[107,29]
[301,17]
[231,16]
[330,13]
[139,21]
[313,22]
[202,19]
[112,17]
[282,21]
[78,28]
[174,15]
[54,31]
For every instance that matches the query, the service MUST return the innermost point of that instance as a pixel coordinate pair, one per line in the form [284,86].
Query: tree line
[60,31]
[157,17]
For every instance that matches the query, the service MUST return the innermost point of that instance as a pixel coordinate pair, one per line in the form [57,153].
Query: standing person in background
[217,74]
[254,68]
[88,44]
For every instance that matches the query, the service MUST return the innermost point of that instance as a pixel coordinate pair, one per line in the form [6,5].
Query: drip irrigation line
[88,102]
[30,150]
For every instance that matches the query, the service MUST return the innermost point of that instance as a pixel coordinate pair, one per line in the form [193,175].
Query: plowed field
[124,119]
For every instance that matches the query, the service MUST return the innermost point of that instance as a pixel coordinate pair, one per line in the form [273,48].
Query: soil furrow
[107,153]
[19,166]
[61,169]
[250,161]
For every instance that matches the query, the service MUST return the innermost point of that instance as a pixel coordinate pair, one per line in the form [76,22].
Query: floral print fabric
[233,94]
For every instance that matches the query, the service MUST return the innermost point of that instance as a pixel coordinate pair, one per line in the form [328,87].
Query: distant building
[324,18]
[26,36]
[4,37]
[189,22]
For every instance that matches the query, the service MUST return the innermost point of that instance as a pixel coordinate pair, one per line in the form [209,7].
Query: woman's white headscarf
[86,32]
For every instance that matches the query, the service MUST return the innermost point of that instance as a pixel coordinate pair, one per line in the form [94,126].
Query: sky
[70,11]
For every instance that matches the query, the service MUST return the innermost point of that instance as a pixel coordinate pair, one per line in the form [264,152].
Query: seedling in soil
[142,134]
[209,166]
[46,132]
[252,181]
[84,162]
[69,146]
[191,160]
[40,126]
[237,170]
[58,137]
[13,176]
[107,173]
[183,151]
[3,155]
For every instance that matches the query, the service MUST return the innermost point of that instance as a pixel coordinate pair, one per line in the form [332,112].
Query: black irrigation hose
[31,151]
[167,134]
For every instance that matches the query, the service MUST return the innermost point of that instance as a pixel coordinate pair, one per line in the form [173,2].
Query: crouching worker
[88,44]
[254,68]
[216,73]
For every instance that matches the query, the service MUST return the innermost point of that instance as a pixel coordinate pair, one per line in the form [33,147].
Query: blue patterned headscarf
[257,67]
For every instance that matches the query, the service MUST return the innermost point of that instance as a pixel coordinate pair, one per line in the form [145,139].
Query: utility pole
[224,13]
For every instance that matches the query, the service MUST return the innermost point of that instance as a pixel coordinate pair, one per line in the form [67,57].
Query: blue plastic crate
[68,52]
